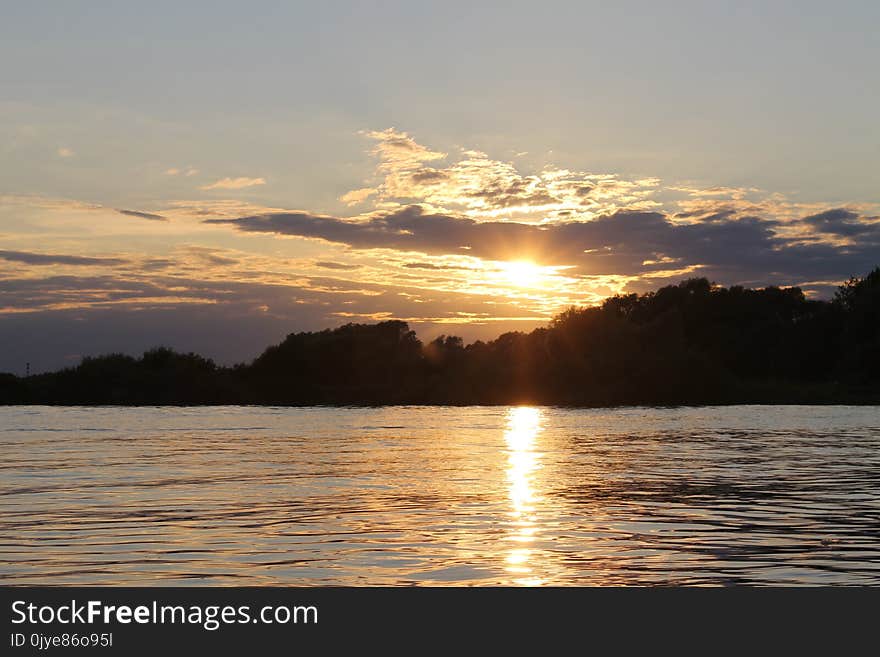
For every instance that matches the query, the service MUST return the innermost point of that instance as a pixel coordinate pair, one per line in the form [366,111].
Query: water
[476,496]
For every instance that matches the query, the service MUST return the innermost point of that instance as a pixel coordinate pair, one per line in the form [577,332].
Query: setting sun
[522,273]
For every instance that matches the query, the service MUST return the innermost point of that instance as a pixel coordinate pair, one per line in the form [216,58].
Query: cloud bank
[727,246]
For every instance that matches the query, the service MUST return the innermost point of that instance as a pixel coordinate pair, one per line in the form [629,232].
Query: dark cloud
[433,267]
[733,250]
[219,260]
[157,263]
[842,222]
[336,265]
[142,215]
[513,193]
[326,296]
[211,256]
[30,258]
[406,229]
[428,176]
[713,215]
[35,293]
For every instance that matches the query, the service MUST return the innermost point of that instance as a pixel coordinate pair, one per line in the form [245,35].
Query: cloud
[62,204]
[325,296]
[65,152]
[188,171]
[142,215]
[356,196]
[234,183]
[397,149]
[210,255]
[432,267]
[472,184]
[31,258]
[841,221]
[479,186]
[736,193]
[336,265]
[631,243]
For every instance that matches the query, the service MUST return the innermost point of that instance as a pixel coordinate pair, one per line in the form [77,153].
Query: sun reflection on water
[523,427]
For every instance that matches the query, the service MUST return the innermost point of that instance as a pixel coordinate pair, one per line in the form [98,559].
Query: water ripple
[479,495]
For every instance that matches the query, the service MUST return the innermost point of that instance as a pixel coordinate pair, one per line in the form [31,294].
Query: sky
[214,176]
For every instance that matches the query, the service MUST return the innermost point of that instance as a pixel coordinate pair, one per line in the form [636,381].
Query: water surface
[426,495]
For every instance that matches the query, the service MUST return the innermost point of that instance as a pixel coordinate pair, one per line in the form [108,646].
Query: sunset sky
[216,175]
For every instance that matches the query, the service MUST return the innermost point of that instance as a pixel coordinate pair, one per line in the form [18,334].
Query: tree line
[690,343]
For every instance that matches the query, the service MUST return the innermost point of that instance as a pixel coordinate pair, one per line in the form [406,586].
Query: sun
[522,273]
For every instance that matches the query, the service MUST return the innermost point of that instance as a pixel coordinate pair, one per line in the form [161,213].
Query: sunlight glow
[522,273]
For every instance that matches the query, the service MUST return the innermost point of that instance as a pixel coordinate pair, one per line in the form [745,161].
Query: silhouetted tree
[859,300]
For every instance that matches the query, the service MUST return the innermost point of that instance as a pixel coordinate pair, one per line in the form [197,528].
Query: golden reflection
[523,427]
